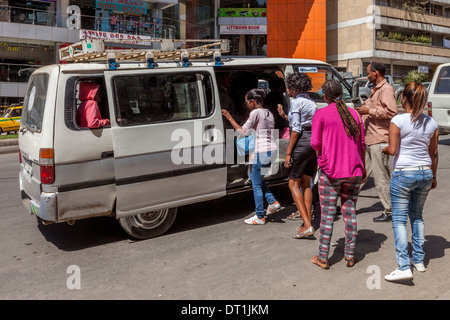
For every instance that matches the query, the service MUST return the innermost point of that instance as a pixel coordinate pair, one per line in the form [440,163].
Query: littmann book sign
[243,29]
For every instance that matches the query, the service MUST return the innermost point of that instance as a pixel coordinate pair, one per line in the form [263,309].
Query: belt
[306,128]
[414,168]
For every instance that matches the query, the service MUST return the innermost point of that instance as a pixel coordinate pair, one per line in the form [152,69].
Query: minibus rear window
[34,102]
[443,82]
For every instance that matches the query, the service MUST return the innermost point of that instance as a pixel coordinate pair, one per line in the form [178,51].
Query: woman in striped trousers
[338,138]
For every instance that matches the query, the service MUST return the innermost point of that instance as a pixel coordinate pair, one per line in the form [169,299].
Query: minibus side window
[144,99]
[72,101]
[34,102]
[443,82]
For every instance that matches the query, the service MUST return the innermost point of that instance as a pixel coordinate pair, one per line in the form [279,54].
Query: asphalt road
[210,254]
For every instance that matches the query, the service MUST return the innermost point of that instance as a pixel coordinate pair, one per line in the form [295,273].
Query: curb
[9,146]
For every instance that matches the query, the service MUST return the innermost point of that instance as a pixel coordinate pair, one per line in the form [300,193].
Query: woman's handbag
[245,145]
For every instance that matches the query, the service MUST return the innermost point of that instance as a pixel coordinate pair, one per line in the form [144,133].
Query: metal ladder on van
[92,50]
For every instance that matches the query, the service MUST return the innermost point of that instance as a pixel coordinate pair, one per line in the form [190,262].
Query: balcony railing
[402,47]
[51,18]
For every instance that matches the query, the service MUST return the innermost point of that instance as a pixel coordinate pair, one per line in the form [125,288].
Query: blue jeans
[261,163]
[409,190]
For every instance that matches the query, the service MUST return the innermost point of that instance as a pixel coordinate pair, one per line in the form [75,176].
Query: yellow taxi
[10,120]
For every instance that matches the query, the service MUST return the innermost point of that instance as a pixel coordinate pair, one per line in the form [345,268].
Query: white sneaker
[397,275]
[255,220]
[419,266]
[272,208]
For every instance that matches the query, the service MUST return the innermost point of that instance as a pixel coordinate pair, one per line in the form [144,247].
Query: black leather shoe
[382,218]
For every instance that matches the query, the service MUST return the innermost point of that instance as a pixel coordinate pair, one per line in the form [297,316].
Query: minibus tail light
[46,166]
[430,110]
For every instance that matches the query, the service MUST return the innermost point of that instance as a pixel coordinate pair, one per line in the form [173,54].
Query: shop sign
[10,47]
[243,29]
[242,12]
[90,34]
[424,69]
[123,6]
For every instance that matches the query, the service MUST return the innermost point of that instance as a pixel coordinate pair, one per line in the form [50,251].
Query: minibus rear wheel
[149,225]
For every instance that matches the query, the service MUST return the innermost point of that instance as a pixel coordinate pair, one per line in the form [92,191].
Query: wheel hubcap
[152,219]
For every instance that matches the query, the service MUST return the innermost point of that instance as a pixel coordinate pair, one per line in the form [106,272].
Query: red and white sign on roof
[90,34]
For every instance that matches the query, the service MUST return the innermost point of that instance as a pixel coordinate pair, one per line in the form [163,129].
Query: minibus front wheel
[149,225]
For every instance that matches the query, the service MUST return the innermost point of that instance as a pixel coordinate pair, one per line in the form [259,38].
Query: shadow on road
[233,207]
[367,242]
[102,230]
[434,247]
[83,234]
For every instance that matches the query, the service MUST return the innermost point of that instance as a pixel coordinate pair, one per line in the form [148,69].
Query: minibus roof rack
[149,51]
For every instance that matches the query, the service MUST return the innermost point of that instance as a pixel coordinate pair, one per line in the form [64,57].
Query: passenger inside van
[88,113]
[224,85]
[274,98]
[240,85]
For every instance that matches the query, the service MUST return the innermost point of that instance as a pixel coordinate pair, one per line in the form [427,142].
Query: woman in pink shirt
[338,138]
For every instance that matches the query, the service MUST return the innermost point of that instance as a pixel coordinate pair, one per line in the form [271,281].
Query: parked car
[365,87]
[439,97]
[426,85]
[10,120]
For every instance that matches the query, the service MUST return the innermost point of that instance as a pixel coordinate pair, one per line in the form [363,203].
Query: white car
[439,98]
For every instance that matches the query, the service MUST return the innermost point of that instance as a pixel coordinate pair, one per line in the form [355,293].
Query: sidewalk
[9,146]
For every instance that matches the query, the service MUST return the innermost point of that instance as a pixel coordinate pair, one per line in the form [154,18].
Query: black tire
[149,225]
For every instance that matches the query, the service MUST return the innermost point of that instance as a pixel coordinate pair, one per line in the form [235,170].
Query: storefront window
[205,20]
[19,60]
[247,44]
[30,12]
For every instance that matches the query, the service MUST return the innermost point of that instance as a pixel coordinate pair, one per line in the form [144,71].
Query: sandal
[321,263]
[294,216]
[304,232]
[349,262]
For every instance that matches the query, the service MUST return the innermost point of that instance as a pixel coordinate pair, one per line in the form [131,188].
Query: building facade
[32,32]
[404,35]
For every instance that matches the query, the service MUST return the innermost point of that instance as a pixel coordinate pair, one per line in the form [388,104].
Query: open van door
[169,144]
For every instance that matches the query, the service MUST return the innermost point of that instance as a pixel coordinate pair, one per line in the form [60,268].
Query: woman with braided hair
[338,138]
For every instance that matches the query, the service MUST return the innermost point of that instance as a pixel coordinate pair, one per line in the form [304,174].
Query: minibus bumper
[45,209]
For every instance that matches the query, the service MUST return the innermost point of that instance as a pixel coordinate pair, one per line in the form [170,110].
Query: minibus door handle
[107,154]
[210,132]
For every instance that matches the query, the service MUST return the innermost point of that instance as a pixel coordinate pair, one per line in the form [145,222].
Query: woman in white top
[261,120]
[413,139]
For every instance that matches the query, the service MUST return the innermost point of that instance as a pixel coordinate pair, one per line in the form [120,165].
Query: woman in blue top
[300,158]
[413,139]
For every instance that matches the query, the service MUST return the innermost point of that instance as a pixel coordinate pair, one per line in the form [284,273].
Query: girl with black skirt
[300,158]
